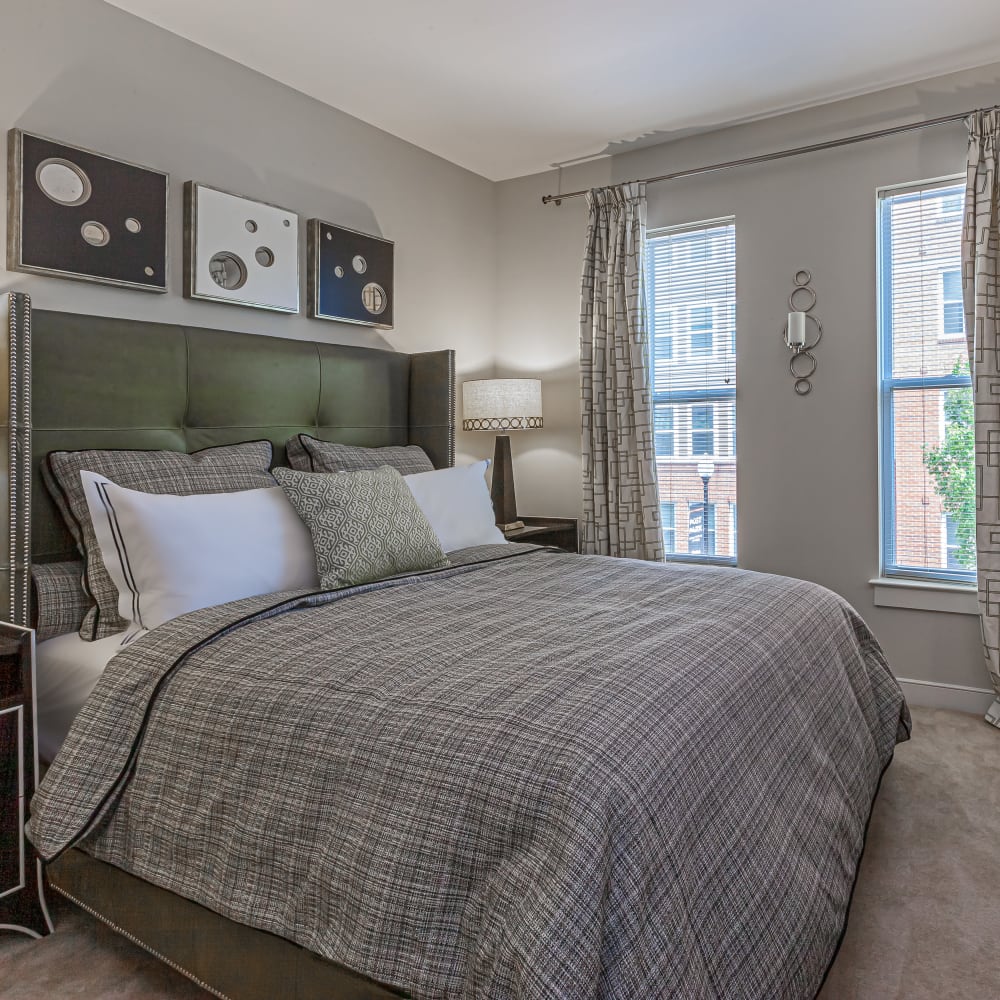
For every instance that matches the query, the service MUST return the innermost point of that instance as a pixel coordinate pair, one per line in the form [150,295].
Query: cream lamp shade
[502,404]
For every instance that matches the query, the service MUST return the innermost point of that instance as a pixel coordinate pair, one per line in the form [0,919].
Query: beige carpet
[925,924]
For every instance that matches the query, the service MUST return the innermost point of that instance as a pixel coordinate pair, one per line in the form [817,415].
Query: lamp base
[502,493]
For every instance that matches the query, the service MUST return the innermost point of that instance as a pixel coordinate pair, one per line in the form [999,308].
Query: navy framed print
[349,275]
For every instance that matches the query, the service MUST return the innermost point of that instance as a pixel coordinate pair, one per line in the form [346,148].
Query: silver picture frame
[240,250]
[338,290]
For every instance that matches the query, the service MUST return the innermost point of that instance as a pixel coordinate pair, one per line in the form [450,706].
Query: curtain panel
[621,512]
[981,294]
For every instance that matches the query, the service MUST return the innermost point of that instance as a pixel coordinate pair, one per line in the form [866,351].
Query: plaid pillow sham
[61,603]
[225,469]
[309,454]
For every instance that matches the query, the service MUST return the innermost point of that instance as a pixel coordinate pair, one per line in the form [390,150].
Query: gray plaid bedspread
[535,776]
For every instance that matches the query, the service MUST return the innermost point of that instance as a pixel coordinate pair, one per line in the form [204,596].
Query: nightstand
[22,894]
[558,531]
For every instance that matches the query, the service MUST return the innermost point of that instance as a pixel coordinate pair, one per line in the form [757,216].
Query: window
[953,202]
[927,440]
[952,544]
[701,329]
[692,306]
[702,430]
[663,424]
[669,527]
[953,316]
[701,534]
[663,347]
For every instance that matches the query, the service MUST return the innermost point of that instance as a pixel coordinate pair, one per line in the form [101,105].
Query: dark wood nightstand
[22,897]
[558,531]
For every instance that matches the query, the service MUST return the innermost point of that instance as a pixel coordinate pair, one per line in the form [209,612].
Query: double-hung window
[691,283]
[927,437]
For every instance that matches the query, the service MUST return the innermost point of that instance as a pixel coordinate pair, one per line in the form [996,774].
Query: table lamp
[502,404]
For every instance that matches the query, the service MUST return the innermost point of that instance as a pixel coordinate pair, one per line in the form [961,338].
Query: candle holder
[795,336]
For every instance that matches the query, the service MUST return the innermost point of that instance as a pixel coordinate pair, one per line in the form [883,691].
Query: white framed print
[240,250]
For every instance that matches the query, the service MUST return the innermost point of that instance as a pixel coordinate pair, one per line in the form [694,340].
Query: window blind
[691,288]
[927,441]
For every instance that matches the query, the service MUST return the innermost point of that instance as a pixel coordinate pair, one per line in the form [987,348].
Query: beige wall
[808,502]
[539,260]
[89,74]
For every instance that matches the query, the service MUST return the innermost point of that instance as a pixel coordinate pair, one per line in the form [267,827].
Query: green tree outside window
[952,466]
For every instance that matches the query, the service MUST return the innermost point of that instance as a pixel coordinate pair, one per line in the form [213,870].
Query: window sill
[926,595]
[695,560]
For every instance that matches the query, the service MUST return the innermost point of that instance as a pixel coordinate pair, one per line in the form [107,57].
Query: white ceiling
[509,87]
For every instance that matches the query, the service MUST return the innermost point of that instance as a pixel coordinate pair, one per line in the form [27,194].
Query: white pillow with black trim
[169,555]
[458,505]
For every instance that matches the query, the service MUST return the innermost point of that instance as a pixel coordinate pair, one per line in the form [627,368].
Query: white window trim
[925,595]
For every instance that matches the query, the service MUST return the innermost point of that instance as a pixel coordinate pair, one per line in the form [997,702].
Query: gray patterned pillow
[60,600]
[365,525]
[226,469]
[309,454]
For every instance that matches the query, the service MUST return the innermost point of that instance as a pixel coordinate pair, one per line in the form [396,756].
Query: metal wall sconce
[802,363]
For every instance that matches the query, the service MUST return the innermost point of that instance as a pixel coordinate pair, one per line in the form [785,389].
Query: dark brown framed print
[74,213]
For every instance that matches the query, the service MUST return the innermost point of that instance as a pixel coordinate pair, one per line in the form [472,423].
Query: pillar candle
[796,329]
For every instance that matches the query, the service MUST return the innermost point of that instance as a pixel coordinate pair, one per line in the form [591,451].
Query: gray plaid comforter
[532,776]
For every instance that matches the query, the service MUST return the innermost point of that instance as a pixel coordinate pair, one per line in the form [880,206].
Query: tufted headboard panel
[99,382]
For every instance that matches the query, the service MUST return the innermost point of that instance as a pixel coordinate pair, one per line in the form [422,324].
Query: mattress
[66,670]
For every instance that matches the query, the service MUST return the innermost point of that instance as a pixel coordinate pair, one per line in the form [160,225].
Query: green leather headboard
[115,383]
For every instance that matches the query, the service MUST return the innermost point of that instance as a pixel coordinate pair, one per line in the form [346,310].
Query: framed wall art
[74,213]
[349,275]
[239,250]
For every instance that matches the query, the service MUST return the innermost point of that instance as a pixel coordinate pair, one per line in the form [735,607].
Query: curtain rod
[783,153]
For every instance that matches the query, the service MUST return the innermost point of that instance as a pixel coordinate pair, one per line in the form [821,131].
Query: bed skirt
[230,960]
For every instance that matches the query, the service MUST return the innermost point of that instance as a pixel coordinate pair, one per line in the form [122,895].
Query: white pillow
[458,506]
[169,555]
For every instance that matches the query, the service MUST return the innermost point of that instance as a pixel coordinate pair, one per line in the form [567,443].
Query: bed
[524,774]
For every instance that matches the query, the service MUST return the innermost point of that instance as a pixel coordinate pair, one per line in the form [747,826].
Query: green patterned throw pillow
[365,525]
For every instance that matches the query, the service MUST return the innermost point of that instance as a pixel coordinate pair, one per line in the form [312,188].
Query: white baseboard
[957,697]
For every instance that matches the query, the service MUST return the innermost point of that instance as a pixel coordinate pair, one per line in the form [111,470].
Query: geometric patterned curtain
[621,510]
[981,294]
